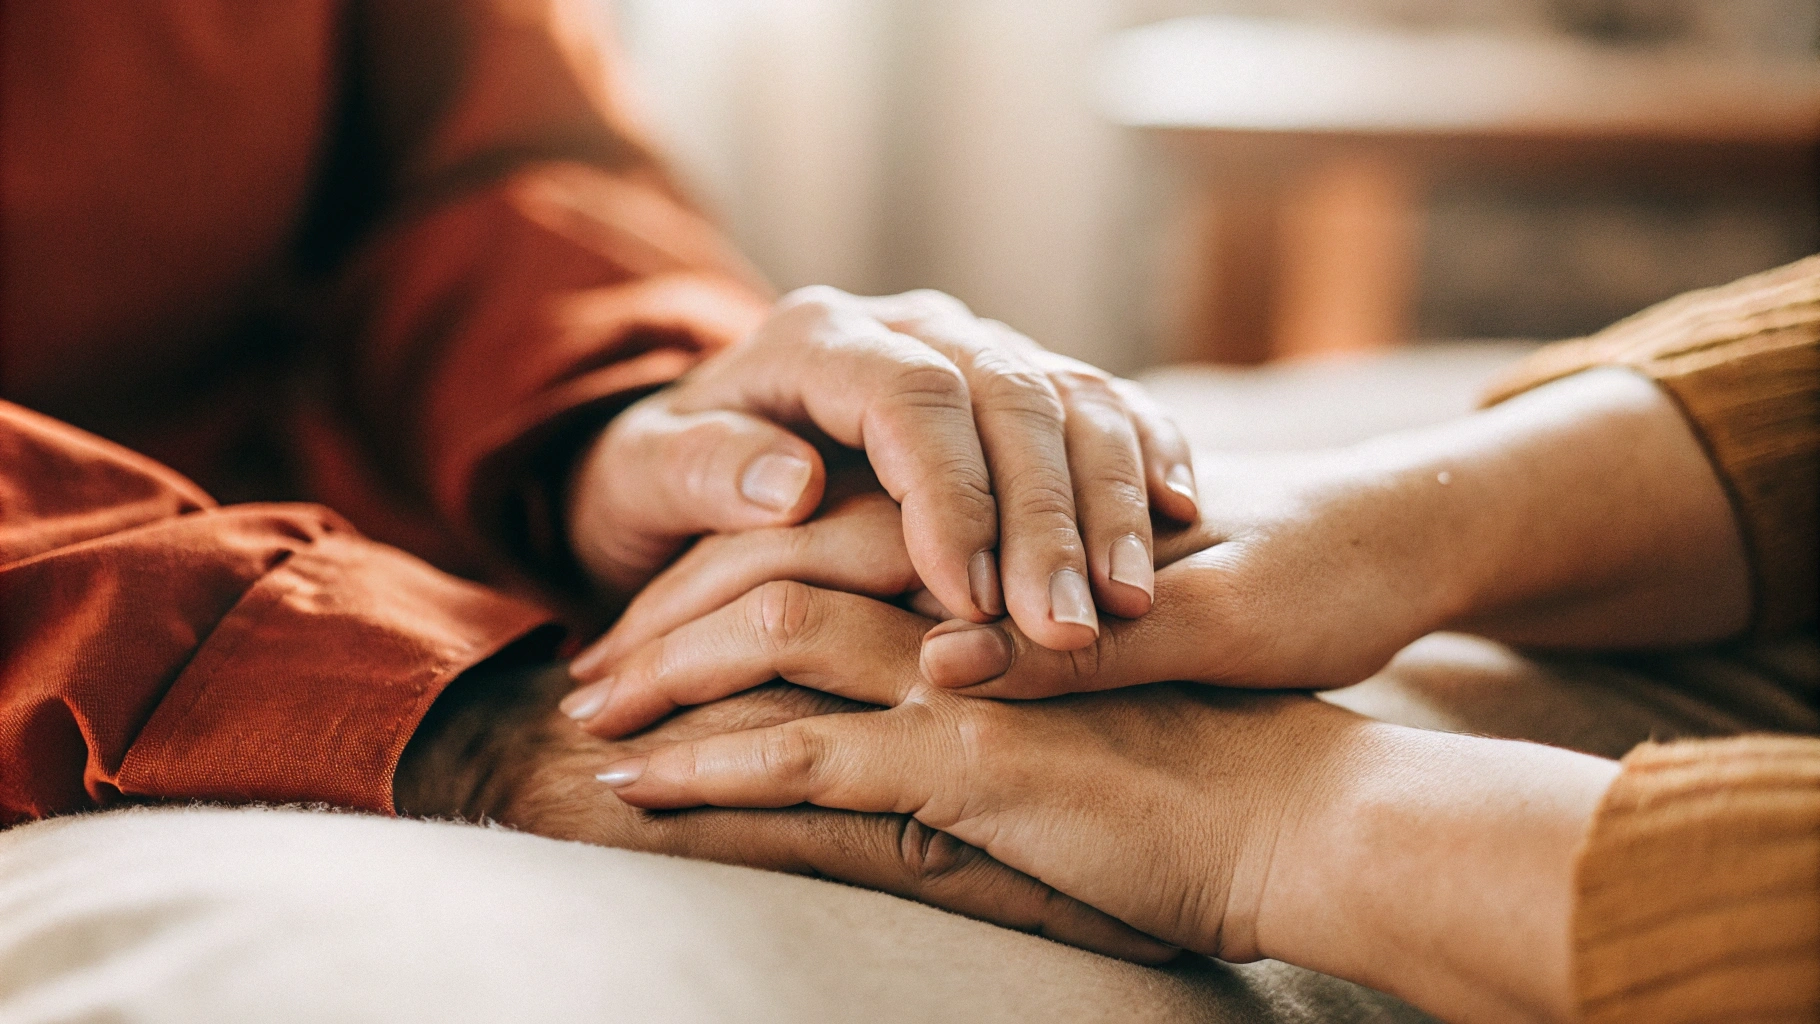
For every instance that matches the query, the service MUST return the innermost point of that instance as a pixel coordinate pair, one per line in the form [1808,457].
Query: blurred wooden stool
[1309,150]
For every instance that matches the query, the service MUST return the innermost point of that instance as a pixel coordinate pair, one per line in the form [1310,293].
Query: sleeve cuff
[1698,882]
[1742,362]
[335,654]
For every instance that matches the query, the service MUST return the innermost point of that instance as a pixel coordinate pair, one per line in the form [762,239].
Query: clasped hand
[1232,823]
[1070,790]
[1027,480]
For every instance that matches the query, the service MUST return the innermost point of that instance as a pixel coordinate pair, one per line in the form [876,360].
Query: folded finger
[858,547]
[823,359]
[1168,462]
[839,643]
[1178,640]
[1106,463]
[1020,416]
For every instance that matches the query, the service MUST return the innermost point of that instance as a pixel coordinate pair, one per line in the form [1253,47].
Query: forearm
[1440,868]
[1581,514]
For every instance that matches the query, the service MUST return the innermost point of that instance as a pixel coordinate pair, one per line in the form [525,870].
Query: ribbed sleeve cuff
[1699,886]
[309,689]
[1743,363]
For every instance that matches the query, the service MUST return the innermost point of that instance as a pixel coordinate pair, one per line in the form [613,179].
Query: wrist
[1439,868]
[467,750]
[1419,503]
[1585,513]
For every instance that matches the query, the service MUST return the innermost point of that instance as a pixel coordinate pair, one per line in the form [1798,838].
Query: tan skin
[1027,479]
[1437,867]
[494,748]
[996,449]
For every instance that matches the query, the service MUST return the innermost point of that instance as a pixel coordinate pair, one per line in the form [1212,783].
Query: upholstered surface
[214,915]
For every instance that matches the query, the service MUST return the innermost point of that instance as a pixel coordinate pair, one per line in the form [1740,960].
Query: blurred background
[1141,181]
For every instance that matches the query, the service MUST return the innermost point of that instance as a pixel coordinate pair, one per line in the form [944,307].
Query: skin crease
[1012,464]
[1582,514]
[494,748]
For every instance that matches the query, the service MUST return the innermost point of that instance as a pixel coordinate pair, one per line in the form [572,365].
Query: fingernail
[586,702]
[982,581]
[1181,481]
[775,481]
[583,667]
[963,654]
[623,774]
[1070,601]
[1131,564]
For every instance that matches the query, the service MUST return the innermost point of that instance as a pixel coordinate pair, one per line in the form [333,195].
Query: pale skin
[1436,867]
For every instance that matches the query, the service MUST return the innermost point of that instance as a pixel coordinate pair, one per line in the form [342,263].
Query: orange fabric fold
[399,258]
[157,646]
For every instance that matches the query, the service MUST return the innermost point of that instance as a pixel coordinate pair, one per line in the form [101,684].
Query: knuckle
[786,548]
[925,378]
[1043,496]
[931,298]
[962,481]
[1074,376]
[781,614]
[926,305]
[1118,486]
[930,855]
[788,755]
[1132,394]
[1019,390]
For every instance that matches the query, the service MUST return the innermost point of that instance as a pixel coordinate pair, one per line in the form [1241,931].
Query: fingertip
[946,548]
[1074,622]
[1064,637]
[958,654]
[585,667]
[1130,586]
[583,704]
[983,585]
[633,781]
[1178,498]
[622,774]
[1147,951]
[784,486]
[1124,600]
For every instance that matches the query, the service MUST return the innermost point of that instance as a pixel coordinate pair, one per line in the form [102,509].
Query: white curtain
[880,145]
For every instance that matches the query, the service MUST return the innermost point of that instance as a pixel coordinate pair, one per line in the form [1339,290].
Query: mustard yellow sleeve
[1743,363]
[1699,886]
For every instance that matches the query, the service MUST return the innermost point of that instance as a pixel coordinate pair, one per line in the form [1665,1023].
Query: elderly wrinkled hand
[1027,479]
[1582,514]
[1296,575]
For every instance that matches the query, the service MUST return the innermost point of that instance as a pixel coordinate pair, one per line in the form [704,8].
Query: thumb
[656,478]
[996,659]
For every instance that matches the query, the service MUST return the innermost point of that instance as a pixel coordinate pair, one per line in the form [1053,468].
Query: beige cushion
[286,915]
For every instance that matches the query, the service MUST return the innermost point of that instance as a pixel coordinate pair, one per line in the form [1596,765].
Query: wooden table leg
[1350,237]
[1317,259]
[1224,284]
